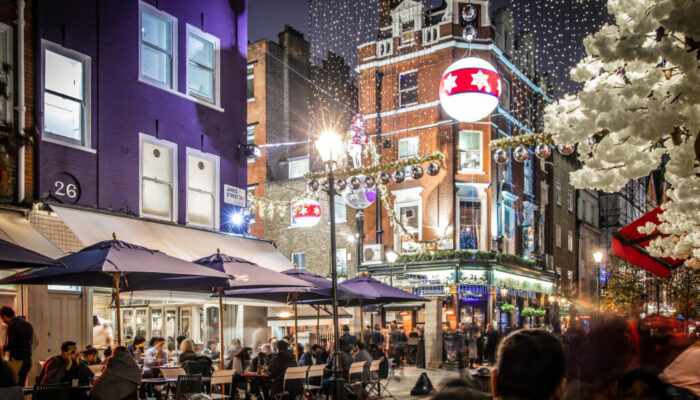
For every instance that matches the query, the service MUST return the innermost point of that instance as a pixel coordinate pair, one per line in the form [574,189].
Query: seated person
[283,359]
[65,367]
[312,357]
[262,358]
[345,362]
[136,348]
[378,353]
[107,354]
[530,365]
[241,360]
[120,378]
[155,357]
[212,350]
[187,352]
[91,356]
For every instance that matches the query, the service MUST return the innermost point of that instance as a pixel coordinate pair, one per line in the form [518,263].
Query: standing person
[102,334]
[471,347]
[349,339]
[492,338]
[397,339]
[377,336]
[19,341]
[479,346]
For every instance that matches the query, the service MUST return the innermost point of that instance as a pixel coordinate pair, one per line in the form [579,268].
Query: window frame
[406,139]
[291,258]
[8,76]
[344,269]
[293,160]
[401,91]
[481,152]
[483,220]
[86,143]
[506,99]
[527,177]
[144,137]
[570,241]
[250,75]
[216,98]
[338,219]
[250,127]
[557,193]
[570,200]
[173,43]
[217,184]
[557,238]
[397,235]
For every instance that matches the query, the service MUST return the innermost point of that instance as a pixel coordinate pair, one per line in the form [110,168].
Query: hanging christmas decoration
[566,150]
[361,197]
[307,213]
[358,138]
[433,168]
[543,151]
[399,176]
[355,183]
[470,89]
[468,13]
[417,172]
[369,182]
[324,185]
[530,139]
[340,185]
[469,33]
[520,154]
[384,178]
[500,156]
[312,185]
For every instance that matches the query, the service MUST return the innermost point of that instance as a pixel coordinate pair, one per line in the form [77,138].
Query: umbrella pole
[221,328]
[318,325]
[119,315]
[296,330]
[362,323]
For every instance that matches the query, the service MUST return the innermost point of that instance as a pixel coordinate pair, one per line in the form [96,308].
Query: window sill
[184,96]
[195,225]
[471,172]
[251,160]
[251,99]
[68,144]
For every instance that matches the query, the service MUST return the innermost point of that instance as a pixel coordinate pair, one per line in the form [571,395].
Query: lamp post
[598,257]
[329,146]
[391,257]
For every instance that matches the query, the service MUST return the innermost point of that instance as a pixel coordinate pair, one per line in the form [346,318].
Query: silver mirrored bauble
[566,150]
[543,151]
[417,172]
[468,33]
[340,185]
[369,182]
[399,176]
[500,156]
[468,13]
[361,197]
[433,168]
[355,183]
[312,185]
[384,178]
[520,154]
[324,185]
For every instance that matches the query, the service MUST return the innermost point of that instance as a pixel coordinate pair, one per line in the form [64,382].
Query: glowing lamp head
[329,146]
[237,219]
[598,256]
[470,89]
[391,257]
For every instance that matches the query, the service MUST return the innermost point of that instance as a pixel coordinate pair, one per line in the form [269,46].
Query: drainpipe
[21,108]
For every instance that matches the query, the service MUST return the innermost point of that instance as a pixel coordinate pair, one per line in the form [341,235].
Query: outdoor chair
[187,385]
[292,374]
[315,373]
[219,380]
[384,387]
[172,373]
[12,393]
[355,382]
[374,381]
[58,391]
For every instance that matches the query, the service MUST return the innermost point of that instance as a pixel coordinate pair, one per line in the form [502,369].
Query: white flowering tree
[640,104]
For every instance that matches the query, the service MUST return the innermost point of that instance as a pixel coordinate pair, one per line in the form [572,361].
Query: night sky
[266,18]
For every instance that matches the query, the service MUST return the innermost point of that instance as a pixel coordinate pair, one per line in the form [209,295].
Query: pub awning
[631,245]
[15,228]
[178,241]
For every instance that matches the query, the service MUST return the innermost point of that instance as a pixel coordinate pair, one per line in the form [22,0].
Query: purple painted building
[141,106]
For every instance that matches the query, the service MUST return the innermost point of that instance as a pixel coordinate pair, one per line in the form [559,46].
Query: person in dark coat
[312,357]
[283,359]
[136,348]
[377,337]
[378,353]
[65,367]
[20,334]
[349,339]
[187,352]
[120,378]
[480,347]
[492,338]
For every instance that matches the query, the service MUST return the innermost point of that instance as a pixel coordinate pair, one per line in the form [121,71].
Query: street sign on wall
[234,195]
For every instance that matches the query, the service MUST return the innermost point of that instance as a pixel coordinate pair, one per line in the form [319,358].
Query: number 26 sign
[65,188]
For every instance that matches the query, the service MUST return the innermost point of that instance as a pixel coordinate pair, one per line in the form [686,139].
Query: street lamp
[598,257]
[391,257]
[330,146]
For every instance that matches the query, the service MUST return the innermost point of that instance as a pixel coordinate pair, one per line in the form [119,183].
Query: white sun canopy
[175,240]
[15,228]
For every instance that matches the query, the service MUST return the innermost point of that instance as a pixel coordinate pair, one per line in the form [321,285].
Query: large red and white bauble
[307,213]
[470,89]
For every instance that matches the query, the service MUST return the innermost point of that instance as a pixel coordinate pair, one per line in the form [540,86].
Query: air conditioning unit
[373,254]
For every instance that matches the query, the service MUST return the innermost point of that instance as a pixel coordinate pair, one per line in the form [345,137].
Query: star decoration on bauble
[480,80]
[450,83]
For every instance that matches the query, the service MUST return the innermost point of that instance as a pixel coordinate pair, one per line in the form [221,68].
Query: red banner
[474,80]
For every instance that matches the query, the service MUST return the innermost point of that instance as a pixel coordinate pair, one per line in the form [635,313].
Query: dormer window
[407,26]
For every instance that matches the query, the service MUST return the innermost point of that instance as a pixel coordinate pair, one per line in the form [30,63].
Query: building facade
[493,212]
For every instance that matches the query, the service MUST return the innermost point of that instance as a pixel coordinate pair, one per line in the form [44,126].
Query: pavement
[405,378]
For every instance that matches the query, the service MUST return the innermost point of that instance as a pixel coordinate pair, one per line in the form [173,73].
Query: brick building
[495,211]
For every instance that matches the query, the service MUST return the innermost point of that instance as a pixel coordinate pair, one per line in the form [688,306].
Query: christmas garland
[266,208]
[376,168]
[522,140]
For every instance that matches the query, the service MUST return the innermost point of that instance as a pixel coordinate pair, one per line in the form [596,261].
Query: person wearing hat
[102,334]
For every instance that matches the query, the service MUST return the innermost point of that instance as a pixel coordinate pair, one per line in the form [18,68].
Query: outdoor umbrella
[368,291]
[115,264]
[13,256]
[244,275]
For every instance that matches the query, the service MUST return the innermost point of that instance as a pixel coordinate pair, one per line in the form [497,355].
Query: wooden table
[254,375]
